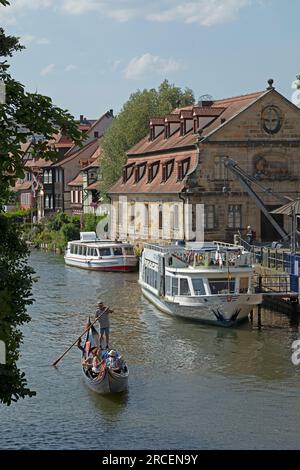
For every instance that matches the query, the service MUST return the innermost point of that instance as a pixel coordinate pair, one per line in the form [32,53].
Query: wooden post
[259,317]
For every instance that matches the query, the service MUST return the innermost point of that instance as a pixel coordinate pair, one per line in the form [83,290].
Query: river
[191,386]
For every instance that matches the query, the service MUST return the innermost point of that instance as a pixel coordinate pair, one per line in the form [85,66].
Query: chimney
[81,117]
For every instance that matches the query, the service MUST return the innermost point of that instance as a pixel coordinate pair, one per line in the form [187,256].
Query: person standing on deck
[103,312]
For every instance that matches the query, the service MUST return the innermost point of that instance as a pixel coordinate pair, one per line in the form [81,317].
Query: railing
[273,284]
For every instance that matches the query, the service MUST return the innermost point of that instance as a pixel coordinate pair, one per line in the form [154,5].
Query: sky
[90,55]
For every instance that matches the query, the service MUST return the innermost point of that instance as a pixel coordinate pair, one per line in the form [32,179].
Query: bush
[70,232]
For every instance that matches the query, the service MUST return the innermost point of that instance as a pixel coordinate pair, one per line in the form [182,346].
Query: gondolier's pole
[85,331]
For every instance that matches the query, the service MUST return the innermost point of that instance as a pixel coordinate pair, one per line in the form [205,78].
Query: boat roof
[194,246]
[100,243]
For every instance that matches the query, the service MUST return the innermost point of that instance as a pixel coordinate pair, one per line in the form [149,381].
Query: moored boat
[209,282]
[108,379]
[100,255]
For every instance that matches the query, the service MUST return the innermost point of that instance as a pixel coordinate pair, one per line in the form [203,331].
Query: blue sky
[89,55]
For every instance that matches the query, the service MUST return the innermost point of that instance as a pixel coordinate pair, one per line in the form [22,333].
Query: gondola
[108,380]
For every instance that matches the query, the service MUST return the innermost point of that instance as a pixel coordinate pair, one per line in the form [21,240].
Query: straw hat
[112,353]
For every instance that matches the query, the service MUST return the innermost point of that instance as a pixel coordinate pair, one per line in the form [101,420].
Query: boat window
[72,249]
[104,251]
[221,286]
[174,286]
[75,249]
[184,287]
[84,248]
[129,250]
[88,251]
[198,286]
[168,285]
[244,285]
[79,248]
[117,251]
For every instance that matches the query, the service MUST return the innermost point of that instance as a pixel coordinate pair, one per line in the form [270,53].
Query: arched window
[50,177]
[160,217]
[46,176]
[47,201]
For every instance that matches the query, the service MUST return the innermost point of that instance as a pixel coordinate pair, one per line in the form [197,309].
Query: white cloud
[204,12]
[30,39]
[48,69]
[147,64]
[70,67]
[9,14]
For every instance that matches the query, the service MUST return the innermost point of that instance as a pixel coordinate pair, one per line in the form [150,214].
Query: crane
[246,181]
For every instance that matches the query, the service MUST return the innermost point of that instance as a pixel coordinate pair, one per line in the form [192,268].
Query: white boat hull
[119,264]
[227,310]
[109,382]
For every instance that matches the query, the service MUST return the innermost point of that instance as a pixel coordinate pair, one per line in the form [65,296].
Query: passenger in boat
[114,361]
[96,362]
[250,235]
[103,313]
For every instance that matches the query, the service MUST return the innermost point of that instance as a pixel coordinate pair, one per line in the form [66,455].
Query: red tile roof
[232,107]
[78,181]
[172,185]
[26,185]
[178,147]
[84,154]
[94,185]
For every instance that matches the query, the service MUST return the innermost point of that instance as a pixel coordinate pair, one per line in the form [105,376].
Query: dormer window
[186,121]
[167,170]
[183,168]
[140,171]
[152,171]
[157,126]
[127,172]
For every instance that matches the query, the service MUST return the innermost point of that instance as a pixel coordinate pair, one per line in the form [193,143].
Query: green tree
[132,125]
[23,116]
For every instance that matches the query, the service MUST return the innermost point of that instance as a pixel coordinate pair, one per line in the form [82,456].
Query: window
[139,172]
[46,177]
[176,218]
[167,170]
[84,250]
[198,286]
[183,168]
[209,217]
[152,171]
[184,287]
[25,199]
[104,251]
[168,284]
[174,286]
[234,216]
[117,251]
[219,170]
[222,286]
[160,217]
[47,202]
[129,250]
[58,175]
[244,283]
[50,177]
[127,172]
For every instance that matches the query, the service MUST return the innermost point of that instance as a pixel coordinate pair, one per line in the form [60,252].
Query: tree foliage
[23,117]
[132,125]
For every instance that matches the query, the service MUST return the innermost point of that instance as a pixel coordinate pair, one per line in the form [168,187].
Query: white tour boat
[101,255]
[211,282]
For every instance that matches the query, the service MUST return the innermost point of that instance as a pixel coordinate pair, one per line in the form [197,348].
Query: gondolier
[103,312]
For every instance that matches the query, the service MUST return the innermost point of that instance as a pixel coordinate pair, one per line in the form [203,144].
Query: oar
[87,329]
